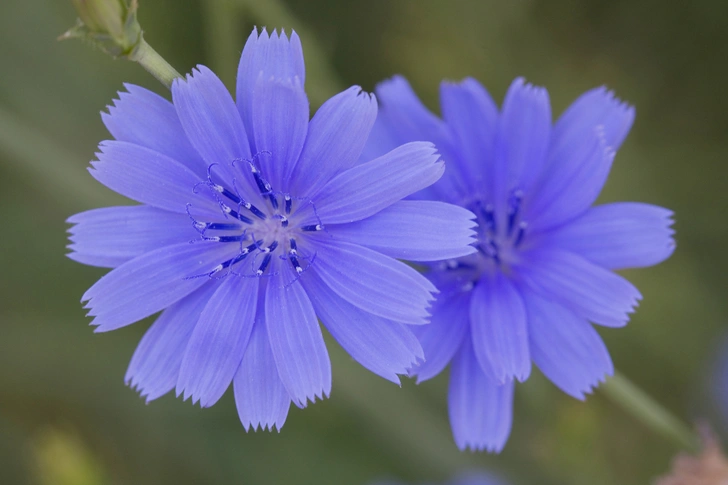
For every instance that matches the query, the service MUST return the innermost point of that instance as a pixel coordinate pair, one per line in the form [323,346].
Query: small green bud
[110,25]
[102,16]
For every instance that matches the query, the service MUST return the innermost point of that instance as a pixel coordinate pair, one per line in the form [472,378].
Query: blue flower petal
[523,137]
[597,107]
[583,144]
[480,409]
[369,187]
[499,327]
[471,117]
[336,136]
[111,236]
[151,282]
[408,229]
[296,341]
[147,119]
[373,282]
[384,347]
[443,336]
[618,236]
[154,368]
[590,291]
[569,187]
[566,347]
[402,118]
[260,396]
[280,114]
[145,176]
[213,125]
[218,341]
[272,55]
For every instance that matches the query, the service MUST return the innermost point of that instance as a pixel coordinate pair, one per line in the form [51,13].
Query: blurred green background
[66,416]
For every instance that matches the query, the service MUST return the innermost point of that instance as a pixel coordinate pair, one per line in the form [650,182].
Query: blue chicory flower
[545,261]
[254,222]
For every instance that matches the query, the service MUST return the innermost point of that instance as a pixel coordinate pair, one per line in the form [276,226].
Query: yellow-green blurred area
[66,416]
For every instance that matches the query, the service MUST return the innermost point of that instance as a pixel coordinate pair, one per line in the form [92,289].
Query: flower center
[261,233]
[501,232]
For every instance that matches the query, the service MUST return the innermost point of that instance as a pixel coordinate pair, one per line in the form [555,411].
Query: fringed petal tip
[275,35]
[319,396]
[251,427]
[615,102]
[479,446]
[592,386]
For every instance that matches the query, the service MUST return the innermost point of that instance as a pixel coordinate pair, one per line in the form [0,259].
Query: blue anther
[262,185]
[294,246]
[519,235]
[287,200]
[220,267]
[295,263]
[257,212]
[221,226]
[227,210]
[263,265]
[488,213]
[514,209]
[226,239]
[313,227]
[255,245]
[270,248]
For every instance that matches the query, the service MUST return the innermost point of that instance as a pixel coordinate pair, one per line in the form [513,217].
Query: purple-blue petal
[147,119]
[280,124]
[271,55]
[145,175]
[566,348]
[111,236]
[415,230]
[297,342]
[154,368]
[152,282]
[522,141]
[471,117]
[499,328]
[444,335]
[336,136]
[218,341]
[617,236]
[384,347]
[369,187]
[213,125]
[596,107]
[260,396]
[402,119]
[590,291]
[481,410]
[373,282]
[571,184]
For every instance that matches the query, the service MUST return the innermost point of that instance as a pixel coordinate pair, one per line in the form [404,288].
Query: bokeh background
[66,416]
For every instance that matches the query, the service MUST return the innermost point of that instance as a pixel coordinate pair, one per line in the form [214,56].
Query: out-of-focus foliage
[62,395]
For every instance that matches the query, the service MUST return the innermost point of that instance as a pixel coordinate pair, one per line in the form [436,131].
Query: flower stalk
[648,411]
[154,64]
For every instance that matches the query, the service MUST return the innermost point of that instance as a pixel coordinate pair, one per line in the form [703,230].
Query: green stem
[155,64]
[648,411]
